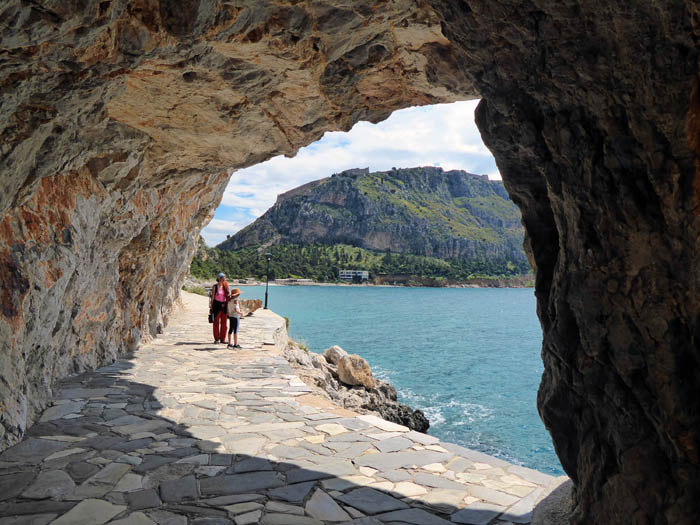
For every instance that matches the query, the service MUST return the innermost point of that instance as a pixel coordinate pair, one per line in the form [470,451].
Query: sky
[443,135]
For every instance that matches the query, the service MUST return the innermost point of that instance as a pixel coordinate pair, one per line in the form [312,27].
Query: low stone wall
[275,328]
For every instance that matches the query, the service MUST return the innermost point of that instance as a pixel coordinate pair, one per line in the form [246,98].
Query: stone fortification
[119,120]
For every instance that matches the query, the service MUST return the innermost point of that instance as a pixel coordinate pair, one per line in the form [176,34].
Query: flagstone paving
[188,432]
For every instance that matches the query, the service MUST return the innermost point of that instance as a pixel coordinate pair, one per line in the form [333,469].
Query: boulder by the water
[352,392]
[248,306]
[354,370]
[299,357]
[334,354]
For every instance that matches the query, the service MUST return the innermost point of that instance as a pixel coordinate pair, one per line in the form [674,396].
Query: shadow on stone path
[186,432]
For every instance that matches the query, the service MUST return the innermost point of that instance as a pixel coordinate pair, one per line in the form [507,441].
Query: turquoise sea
[469,358]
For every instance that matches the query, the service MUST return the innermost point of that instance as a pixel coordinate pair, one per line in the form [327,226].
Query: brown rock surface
[119,121]
[588,108]
[334,354]
[354,370]
[248,306]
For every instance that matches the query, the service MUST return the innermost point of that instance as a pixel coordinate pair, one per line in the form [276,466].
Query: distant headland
[410,227]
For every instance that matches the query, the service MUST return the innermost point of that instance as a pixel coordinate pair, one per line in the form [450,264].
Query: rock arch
[120,119]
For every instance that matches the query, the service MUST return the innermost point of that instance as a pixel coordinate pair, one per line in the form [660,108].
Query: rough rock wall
[120,122]
[592,111]
[118,118]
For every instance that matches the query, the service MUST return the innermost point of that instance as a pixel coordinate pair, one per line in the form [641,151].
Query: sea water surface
[469,358]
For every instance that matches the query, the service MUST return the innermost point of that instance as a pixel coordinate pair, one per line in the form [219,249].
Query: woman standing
[234,318]
[217,307]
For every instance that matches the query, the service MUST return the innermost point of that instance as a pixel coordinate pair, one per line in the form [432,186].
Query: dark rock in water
[380,398]
[377,401]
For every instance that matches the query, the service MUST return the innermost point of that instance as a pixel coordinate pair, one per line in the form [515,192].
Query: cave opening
[442,135]
[119,120]
[497,416]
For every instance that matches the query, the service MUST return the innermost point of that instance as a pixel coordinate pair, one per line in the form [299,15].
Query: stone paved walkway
[186,431]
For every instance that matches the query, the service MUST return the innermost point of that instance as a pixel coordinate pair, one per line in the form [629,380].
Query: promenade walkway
[188,432]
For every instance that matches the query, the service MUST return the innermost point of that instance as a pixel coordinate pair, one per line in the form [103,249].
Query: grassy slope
[445,216]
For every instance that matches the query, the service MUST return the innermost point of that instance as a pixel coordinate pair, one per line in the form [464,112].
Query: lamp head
[268,256]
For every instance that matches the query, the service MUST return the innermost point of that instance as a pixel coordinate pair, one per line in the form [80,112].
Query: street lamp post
[268,256]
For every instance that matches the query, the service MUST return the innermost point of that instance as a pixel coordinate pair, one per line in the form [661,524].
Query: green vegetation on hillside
[413,225]
[322,263]
[421,211]
[418,195]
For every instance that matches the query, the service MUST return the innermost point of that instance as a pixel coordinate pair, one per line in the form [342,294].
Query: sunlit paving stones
[188,430]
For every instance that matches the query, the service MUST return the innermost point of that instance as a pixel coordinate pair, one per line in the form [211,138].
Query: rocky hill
[422,211]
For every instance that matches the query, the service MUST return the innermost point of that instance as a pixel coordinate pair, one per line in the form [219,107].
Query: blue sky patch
[442,135]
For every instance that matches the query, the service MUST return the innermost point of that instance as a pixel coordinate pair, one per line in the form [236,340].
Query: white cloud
[217,229]
[443,135]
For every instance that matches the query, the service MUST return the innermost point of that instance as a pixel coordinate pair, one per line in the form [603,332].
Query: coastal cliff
[420,211]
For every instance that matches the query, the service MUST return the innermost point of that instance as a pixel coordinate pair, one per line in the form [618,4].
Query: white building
[349,275]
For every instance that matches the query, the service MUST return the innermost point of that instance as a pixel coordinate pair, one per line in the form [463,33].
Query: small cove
[469,358]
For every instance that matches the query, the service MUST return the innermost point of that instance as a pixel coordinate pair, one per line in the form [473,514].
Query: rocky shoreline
[347,381]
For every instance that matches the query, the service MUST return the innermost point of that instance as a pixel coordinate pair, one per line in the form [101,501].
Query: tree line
[323,262]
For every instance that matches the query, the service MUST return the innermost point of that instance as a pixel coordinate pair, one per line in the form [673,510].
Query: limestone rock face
[592,111]
[461,215]
[354,370]
[121,121]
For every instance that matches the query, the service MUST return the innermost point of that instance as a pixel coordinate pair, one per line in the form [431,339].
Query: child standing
[234,317]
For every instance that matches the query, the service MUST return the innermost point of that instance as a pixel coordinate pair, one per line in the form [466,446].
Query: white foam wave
[434,415]
[475,412]
[435,409]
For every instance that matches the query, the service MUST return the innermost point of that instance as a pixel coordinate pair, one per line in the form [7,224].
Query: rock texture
[121,123]
[591,110]
[119,120]
[422,211]
[350,384]
[248,306]
[354,370]
[334,354]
